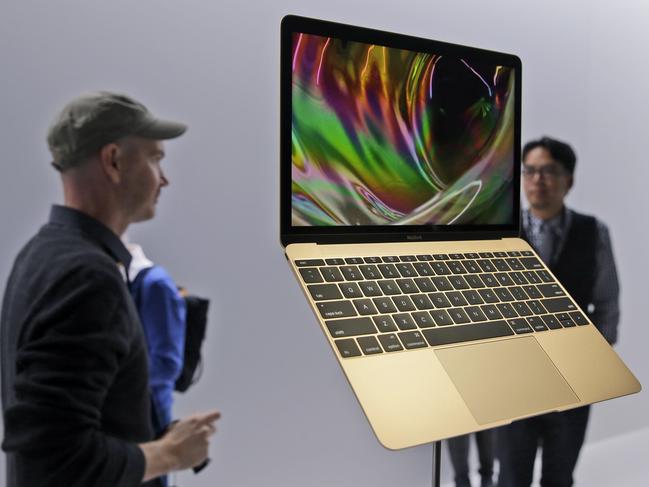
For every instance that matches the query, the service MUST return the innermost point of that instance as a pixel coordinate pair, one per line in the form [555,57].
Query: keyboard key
[407,286]
[500,254]
[520,326]
[579,318]
[335,261]
[474,281]
[456,298]
[404,321]
[458,282]
[403,303]
[456,256]
[532,277]
[515,264]
[439,300]
[441,317]
[350,290]
[354,260]
[521,309]
[364,307]
[551,322]
[442,283]
[550,290]
[425,285]
[388,270]
[475,314]
[503,294]
[486,265]
[514,253]
[486,255]
[532,292]
[501,265]
[537,323]
[406,270]
[424,269]
[466,333]
[373,260]
[384,305]
[536,307]
[336,309]
[504,279]
[527,253]
[309,262]
[518,278]
[456,267]
[518,293]
[441,257]
[332,274]
[472,297]
[422,302]
[408,258]
[491,312]
[384,323]
[389,287]
[370,288]
[310,275]
[391,259]
[488,295]
[351,273]
[440,268]
[471,266]
[458,315]
[545,276]
[567,323]
[370,271]
[423,319]
[350,327]
[489,280]
[321,292]
[390,342]
[555,305]
[424,258]
[412,339]
[506,310]
[348,348]
[531,263]
[369,345]
[471,256]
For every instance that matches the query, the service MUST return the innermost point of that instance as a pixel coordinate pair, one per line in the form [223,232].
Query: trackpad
[506,379]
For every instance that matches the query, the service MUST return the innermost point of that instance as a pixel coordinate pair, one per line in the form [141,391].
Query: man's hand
[185,445]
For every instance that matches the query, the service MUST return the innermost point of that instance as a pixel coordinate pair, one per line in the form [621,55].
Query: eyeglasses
[549,172]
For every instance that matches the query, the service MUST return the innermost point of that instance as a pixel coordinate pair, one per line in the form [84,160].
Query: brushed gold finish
[409,398]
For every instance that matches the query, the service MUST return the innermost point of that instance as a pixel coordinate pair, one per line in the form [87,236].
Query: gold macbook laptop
[400,214]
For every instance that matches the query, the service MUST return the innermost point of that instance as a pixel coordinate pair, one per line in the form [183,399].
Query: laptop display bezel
[382,233]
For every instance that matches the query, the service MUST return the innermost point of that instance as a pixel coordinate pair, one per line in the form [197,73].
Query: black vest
[575,265]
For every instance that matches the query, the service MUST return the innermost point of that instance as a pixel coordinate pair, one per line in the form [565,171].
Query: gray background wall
[289,417]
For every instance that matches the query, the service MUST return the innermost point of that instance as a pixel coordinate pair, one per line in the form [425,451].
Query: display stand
[437,460]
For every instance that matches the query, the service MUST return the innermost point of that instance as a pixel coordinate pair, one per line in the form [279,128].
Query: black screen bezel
[381,233]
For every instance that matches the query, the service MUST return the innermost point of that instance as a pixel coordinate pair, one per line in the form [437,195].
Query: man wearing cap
[577,248]
[75,391]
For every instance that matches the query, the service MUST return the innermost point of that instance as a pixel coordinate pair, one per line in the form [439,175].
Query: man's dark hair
[560,152]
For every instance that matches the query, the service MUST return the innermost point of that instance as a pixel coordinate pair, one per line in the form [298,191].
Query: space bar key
[467,333]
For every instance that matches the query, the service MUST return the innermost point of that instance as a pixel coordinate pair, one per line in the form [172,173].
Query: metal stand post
[437,461]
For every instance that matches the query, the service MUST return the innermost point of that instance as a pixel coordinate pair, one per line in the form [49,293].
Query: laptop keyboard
[373,305]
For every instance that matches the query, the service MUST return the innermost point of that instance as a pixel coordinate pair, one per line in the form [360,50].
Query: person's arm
[72,347]
[184,446]
[606,291]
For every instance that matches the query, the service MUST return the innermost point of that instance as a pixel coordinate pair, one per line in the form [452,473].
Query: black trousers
[459,452]
[560,435]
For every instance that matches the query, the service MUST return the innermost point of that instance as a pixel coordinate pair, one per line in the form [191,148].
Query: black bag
[195,325]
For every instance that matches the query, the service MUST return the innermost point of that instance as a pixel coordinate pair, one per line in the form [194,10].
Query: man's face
[143,176]
[545,182]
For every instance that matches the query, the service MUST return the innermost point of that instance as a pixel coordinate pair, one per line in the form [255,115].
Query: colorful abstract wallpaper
[386,136]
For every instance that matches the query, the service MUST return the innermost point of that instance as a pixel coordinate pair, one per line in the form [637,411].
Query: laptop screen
[399,135]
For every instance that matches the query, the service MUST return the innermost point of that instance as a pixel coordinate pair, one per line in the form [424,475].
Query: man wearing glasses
[577,249]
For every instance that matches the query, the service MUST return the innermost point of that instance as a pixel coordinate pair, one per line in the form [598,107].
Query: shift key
[350,327]
[555,305]
[336,309]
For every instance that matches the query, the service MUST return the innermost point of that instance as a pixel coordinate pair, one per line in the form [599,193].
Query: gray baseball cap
[92,120]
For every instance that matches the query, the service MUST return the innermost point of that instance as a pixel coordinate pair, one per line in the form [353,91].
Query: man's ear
[571,181]
[110,160]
